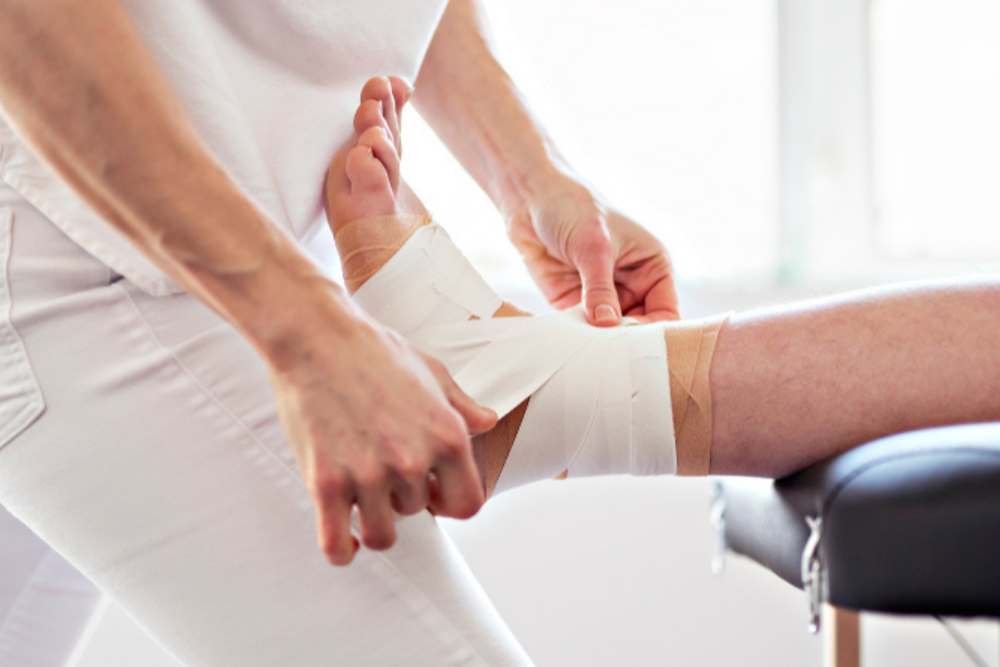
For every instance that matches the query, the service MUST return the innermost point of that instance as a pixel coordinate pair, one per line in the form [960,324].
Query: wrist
[289,321]
[556,184]
[519,188]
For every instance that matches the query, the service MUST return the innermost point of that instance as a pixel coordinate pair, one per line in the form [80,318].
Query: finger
[333,517]
[647,289]
[661,303]
[595,262]
[477,418]
[410,497]
[459,493]
[378,525]
[433,492]
[410,490]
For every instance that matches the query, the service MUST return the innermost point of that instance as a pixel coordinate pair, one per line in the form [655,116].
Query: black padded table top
[909,523]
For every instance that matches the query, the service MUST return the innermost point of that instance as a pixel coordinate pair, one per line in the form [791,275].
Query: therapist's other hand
[374,423]
[577,248]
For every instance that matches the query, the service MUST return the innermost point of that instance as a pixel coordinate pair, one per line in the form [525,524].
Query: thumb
[477,418]
[600,300]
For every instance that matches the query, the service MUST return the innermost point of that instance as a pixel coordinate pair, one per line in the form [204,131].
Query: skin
[575,244]
[370,420]
[791,386]
[850,369]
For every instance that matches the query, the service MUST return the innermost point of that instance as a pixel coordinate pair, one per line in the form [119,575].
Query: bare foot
[364,183]
[364,178]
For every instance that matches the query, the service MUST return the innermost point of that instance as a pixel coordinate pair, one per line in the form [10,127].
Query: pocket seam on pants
[27,394]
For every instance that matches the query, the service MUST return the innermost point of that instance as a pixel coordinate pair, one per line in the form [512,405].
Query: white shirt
[270,85]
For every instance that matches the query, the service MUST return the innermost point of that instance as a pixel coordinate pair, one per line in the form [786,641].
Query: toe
[381,88]
[364,179]
[384,150]
[337,188]
[377,88]
[368,115]
[401,92]
[365,172]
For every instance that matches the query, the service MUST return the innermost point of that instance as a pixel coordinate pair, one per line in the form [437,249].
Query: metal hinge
[813,576]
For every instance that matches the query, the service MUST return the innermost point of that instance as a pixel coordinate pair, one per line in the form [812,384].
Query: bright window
[669,107]
[936,104]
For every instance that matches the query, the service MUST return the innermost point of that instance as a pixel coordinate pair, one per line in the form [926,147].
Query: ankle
[366,245]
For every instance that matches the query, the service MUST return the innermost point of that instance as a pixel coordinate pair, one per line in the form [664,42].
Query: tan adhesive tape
[690,347]
[366,245]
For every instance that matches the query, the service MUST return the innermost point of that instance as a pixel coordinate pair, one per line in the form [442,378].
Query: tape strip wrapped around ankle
[603,412]
[599,396]
[366,245]
[427,282]
[691,346]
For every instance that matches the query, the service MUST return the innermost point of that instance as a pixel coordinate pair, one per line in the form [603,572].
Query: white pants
[159,470]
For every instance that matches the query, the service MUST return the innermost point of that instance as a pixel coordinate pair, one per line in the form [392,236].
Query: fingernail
[605,314]
[408,95]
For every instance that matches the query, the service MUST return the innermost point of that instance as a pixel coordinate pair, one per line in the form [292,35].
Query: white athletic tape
[489,358]
[600,398]
[429,281]
[602,413]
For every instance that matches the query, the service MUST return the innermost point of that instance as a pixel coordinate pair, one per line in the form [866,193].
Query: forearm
[81,88]
[473,105]
[576,246]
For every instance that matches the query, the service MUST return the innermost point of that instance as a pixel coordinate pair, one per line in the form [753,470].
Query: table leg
[842,637]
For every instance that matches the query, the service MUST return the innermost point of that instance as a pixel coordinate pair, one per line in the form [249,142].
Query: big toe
[384,150]
[368,177]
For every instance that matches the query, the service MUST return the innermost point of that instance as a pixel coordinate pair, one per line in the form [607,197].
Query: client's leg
[796,385]
[784,389]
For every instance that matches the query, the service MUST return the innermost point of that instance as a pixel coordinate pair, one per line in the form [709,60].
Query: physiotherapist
[166,305]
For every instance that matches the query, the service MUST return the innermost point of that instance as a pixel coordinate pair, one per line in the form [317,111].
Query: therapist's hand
[373,422]
[577,248]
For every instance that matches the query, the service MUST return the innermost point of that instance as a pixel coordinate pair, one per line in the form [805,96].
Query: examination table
[909,524]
